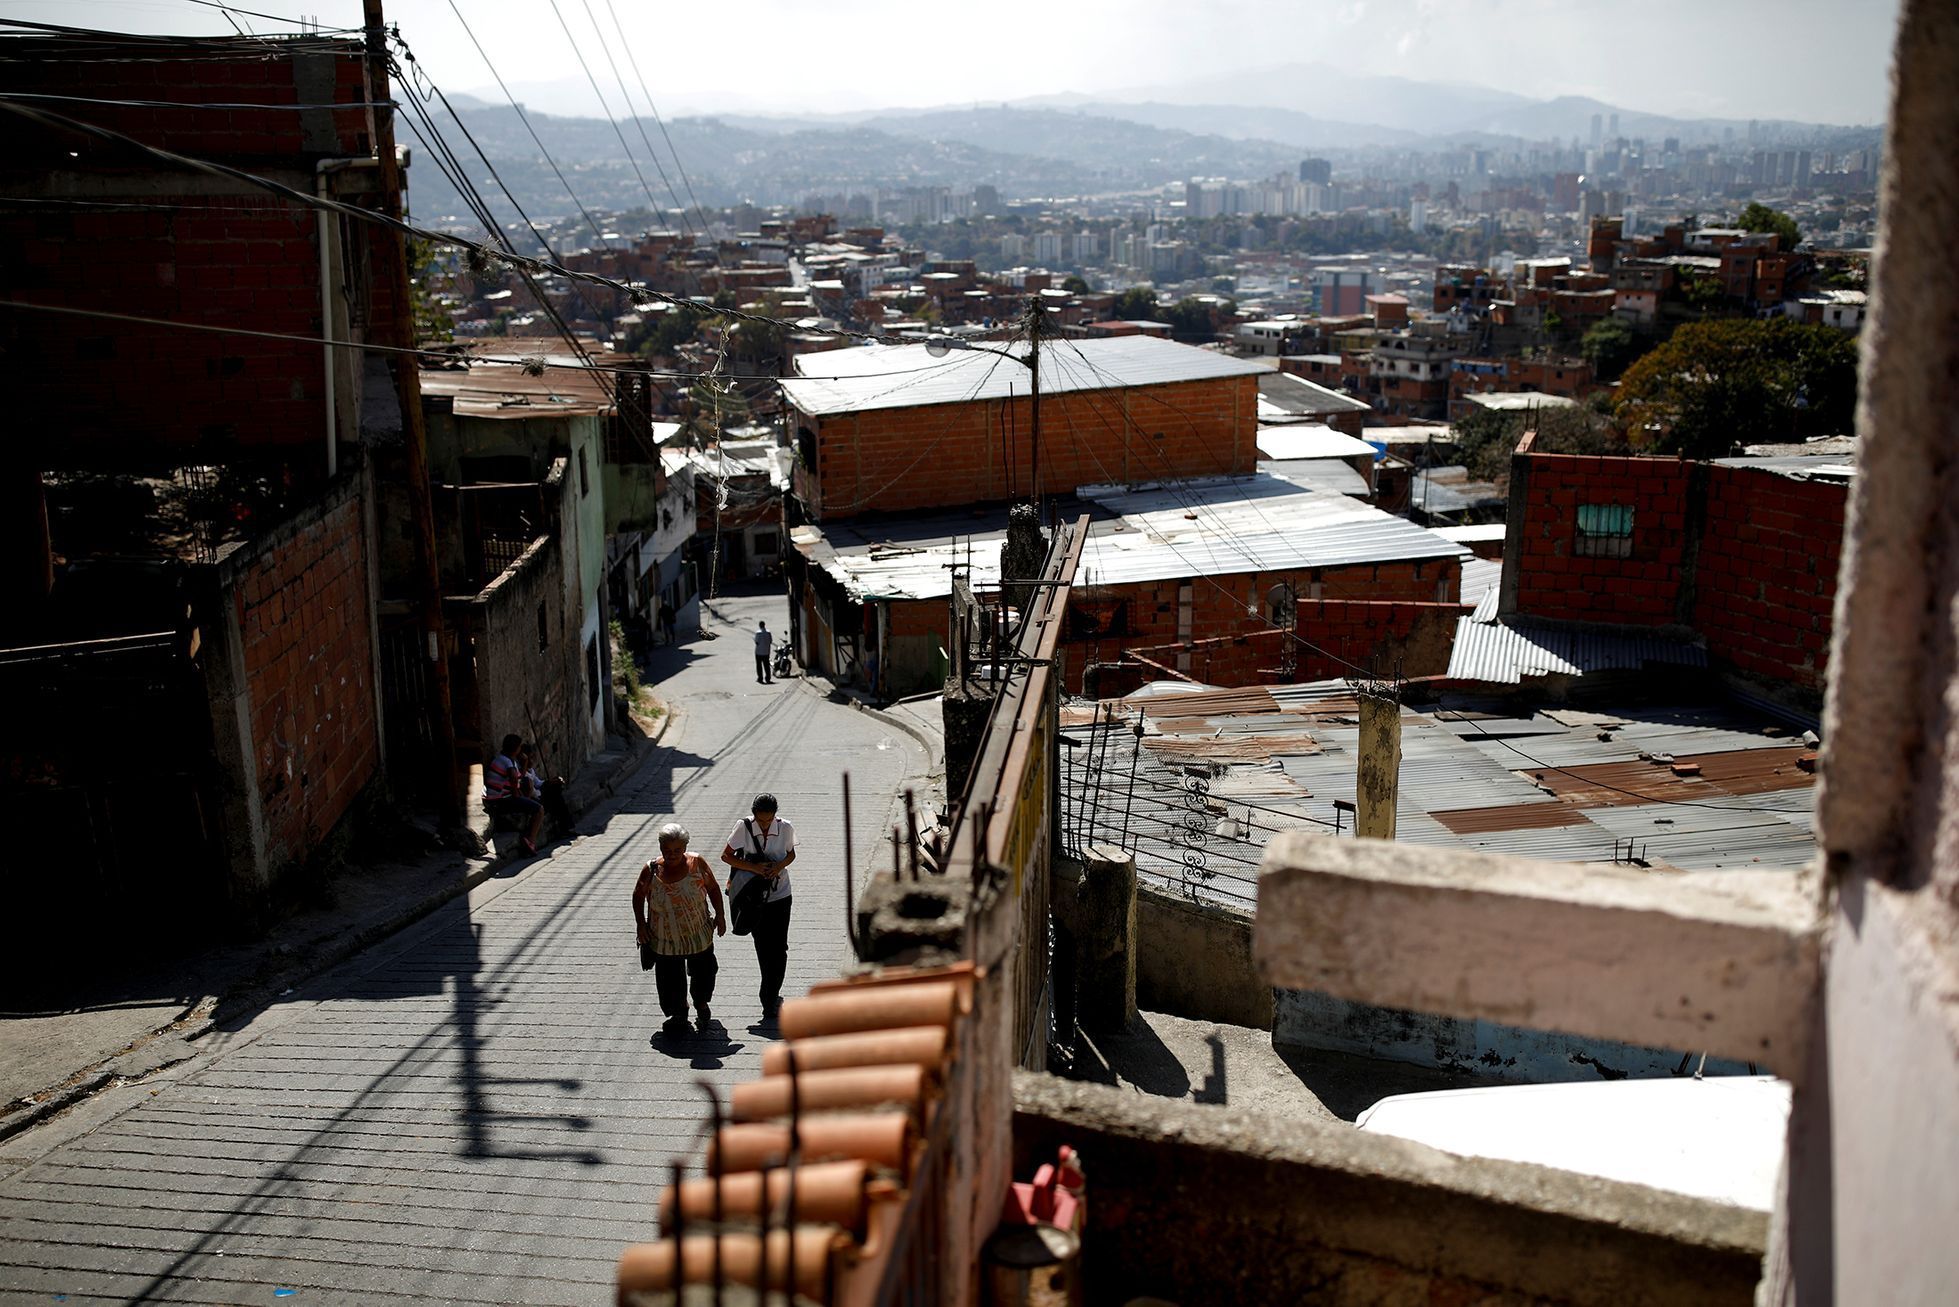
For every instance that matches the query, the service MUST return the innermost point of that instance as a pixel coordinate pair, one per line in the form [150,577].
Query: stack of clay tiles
[869,1058]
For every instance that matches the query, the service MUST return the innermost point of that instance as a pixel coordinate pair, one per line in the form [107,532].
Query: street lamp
[939,346]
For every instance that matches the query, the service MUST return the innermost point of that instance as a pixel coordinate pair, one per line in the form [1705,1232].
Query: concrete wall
[1304,1018]
[870,461]
[287,623]
[1873,1176]
[1199,1204]
[1195,960]
[523,651]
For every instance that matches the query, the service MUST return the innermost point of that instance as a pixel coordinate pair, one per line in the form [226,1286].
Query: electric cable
[633,59]
[633,114]
[653,205]
[597,233]
[299,197]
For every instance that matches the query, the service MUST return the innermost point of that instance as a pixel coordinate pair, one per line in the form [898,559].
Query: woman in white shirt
[763,845]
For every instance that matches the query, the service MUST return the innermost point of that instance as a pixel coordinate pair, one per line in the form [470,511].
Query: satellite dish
[938,347]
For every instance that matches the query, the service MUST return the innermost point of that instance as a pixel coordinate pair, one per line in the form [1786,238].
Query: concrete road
[476,1110]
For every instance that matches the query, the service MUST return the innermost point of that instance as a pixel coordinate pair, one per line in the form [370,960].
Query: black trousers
[762,672]
[771,932]
[671,976]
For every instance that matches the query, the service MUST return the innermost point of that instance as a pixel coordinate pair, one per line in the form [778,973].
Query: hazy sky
[1818,60]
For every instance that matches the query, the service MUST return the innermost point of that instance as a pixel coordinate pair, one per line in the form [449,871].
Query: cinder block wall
[1644,589]
[300,598]
[1766,585]
[1745,557]
[171,244]
[1369,609]
[948,455]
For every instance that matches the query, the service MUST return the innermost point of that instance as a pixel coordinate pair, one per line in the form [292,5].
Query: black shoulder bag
[745,902]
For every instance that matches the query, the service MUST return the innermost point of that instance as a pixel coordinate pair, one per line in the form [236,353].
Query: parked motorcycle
[781,660]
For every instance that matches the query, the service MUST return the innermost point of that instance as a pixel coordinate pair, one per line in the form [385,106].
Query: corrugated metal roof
[1237,524]
[502,386]
[1507,652]
[1295,394]
[1332,475]
[1217,527]
[1309,440]
[1278,766]
[1481,579]
[908,376]
[1800,467]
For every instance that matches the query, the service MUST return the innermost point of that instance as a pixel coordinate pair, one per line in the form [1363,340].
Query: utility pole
[408,385]
[1035,316]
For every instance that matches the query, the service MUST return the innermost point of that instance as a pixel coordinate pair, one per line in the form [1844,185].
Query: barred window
[1604,531]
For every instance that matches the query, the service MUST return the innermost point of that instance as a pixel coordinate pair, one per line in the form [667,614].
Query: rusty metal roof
[503,383]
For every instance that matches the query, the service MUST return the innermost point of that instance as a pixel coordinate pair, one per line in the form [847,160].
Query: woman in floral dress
[676,936]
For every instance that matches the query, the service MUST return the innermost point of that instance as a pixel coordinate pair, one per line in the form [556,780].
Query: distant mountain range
[1250,125]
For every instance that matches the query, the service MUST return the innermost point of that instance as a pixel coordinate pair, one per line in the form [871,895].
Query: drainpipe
[321,171]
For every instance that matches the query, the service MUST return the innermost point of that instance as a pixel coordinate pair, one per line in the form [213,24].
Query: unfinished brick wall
[163,242]
[1766,585]
[1746,557]
[1554,581]
[1338,636]
[300,596]
[948,455]
[1362,606]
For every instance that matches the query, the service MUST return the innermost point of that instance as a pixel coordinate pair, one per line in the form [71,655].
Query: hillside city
[1353,665]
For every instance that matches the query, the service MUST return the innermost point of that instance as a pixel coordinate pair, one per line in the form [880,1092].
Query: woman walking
[676,937]
[762,846]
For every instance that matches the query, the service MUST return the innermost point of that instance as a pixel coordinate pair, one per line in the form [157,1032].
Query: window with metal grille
[1604,531]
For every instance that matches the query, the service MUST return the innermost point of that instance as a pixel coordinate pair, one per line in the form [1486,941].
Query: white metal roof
[1718,1138]
[1215,527]
[1511,401]
[1309,440]
[907,376]
[1224,525]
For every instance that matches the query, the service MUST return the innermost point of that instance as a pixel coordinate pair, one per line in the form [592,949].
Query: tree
[1192,320]
[1136,304]
[433,325]
[1074,285]
[1609,346]
[1716,385]
[1760,217]
[1487,438]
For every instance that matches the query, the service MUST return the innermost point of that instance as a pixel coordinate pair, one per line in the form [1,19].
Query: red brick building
[116,232]
[197,500]
[1741,552]
[898,430]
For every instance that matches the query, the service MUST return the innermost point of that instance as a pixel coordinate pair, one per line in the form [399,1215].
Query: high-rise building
[1318,172]
[1047,248]
[1612,128]
[1418,216]
[1598,130]
[1088,248]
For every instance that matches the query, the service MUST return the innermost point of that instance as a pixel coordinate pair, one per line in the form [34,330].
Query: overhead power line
[598,234]
[652,204]
[639,294]
[659,122]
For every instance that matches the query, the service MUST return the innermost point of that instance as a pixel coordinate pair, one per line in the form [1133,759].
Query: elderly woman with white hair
[676,936]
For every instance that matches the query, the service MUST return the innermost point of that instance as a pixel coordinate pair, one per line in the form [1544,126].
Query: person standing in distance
[762,642]
[764,845]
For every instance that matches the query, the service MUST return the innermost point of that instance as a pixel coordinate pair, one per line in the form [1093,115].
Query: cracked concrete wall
[1873,1175]
[1201,1204]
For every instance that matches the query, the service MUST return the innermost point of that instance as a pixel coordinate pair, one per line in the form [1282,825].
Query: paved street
[472,1111]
